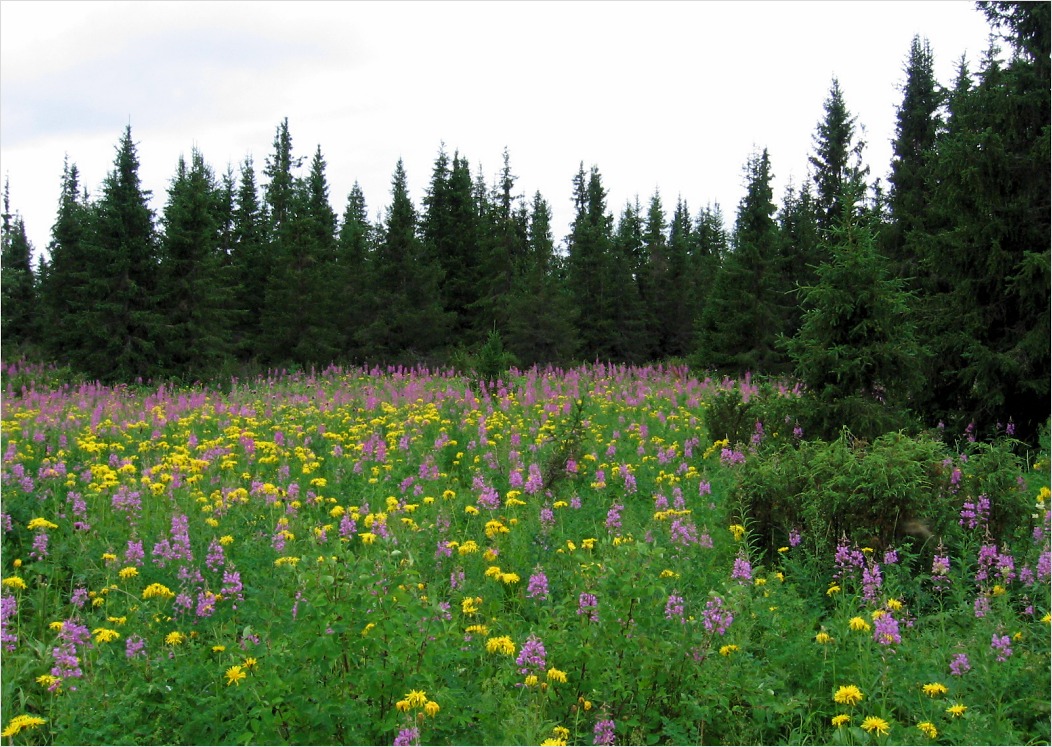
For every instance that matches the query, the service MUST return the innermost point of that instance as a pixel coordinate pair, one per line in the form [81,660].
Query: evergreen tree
[917,126]
[354,250]
[856,350]
[675,300]
[250,262]
[798,250]
[589,267]
[407,322]
[986,250]
[192,293]
[541,316]
[652,271]
[18,314]
[502,248]
[837,159]
[121,325]
[739,327]
[64,293]
[709,246]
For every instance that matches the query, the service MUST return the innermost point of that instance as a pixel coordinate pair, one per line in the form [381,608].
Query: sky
[668,97]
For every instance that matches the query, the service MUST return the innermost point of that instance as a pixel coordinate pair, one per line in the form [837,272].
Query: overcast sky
[659,96]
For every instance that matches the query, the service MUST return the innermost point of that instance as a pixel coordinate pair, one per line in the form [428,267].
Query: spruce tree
[193,298]
[837,165]
[740,324]
[250,262]
[121,340]
[354,250]
[798,250]
[18,307]
[857,351]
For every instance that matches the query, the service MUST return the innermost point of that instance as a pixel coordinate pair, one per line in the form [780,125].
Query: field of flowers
[567,557]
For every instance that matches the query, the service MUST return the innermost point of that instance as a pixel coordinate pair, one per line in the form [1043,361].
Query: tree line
[931,293]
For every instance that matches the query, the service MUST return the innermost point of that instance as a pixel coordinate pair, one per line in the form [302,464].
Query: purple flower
[407,737]
[959,664]
[538,586]
[730,457]
[587,604]
[532,657]
[891,557]
[39,551]
[79,597]
[683,533]
[134,646]
[547,517]
[716,617]
[981,606]
[216,556]
[1044,566]
[613,518]
[604,732]
[742,569]
[674,609]
[134,554]
[794,538]
[1002,645]
[871,581]
[886,630]
[8,609]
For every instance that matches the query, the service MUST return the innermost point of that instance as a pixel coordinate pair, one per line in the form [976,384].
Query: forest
[923,300]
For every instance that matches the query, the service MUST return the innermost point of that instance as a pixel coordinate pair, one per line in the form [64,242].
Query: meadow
[604,555]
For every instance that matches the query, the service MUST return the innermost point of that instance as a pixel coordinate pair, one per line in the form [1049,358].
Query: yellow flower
[957,709]
[502,645]
[840,720]
[480,629]
[552,742]
[847,695]
[234,675]
[894,605]
[129,572]
[367,628]
[431,708]
[509,578]
[834,589]
[225,540]
[157,590]
[368,538]
[738,531]
[934,689]
[561,732]
[531,680]
[18,723]
[556,675]
[14,582]
[47,680]
[109,557]
[218,649]
[416,698]
[57,626]
[669,574]
[823,637]
[929,729]
[470,510]
[875,723]
[105,635]
[857,623]
[728,650]
[1047,618]
[783,549]
[470,605]
[174,638]
[40,523]
[403,706]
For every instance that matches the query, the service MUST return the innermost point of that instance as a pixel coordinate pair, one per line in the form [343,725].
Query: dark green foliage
[250,262]
[354,249]
[837,159]
[856,350]
[118,325]
[739,326]
[987,245]
[192,293]
[18,317]
[540,311]
[798,252]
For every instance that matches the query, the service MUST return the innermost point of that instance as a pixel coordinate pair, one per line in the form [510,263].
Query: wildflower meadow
[602,555]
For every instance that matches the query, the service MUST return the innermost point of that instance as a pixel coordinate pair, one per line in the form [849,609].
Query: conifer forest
[274,474]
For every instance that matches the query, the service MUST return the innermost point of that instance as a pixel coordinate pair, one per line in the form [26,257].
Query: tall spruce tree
[798,251]
[18,307]
[856,351]
[64,292]
[121,329]
[837,165]
[541,316]
[917,126]
[987,250]
[354,250]
[739,327]
[193,299]
[250,262]
[675,301]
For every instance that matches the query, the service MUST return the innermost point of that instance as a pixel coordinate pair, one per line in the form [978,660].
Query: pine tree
[856,351]
[837,159]
[354,247]
[679,288]
[64,292]
[798,251]
[18,315]
[917,127]
[739,327]
[541,315]
[192,294]
[987,250]
[121,340]
[250,262]
[407,322]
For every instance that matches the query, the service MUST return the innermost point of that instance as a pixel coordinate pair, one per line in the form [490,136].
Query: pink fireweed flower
[886,630]
[588,604]
[716,617]
[959,664]
[674,609]
[1002,646]
[531,658]
[603,734]
[613,518]
[538,585]
[742,569]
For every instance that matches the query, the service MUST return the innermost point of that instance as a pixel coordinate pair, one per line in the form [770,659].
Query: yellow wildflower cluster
[40,523]
[501,645]
[14,582]
[18,723]
[935,689]
[157,590]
